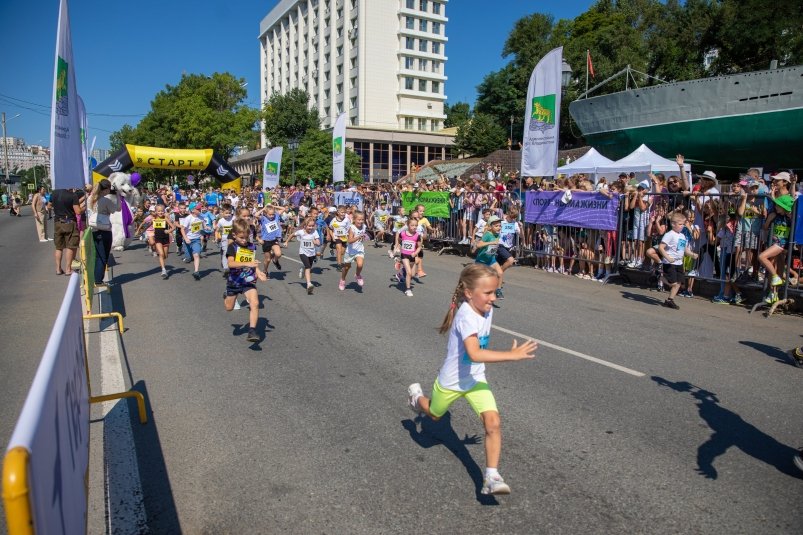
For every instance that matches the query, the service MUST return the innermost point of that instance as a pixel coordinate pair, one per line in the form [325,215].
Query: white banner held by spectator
[271,168]
[67,169]
[348,198]
[539,154]
[339,149]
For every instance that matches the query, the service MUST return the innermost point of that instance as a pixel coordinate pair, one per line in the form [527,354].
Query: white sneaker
[300,272]
[495,485]
[237,304]
[413,393]
[408,293]
[390,253]
[694,273]
[42,241]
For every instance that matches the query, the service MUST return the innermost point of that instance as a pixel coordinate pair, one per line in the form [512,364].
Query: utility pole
[5,149]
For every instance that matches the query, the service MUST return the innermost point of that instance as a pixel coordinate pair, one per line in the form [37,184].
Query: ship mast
[628,72]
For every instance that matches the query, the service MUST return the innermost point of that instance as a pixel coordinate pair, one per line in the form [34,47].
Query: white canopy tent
[587,163]
[642,160]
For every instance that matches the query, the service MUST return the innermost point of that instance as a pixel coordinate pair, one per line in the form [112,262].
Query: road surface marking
[571,352]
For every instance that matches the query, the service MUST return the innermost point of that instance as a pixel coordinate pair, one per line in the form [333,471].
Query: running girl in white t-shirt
[462,374]
[355,250]
[308,242]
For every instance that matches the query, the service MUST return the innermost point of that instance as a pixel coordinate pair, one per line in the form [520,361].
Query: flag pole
[588,53]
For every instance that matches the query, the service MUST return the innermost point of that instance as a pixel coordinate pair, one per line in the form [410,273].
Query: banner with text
[436,203]
[271,168]
[585,209]
[539,154]
[339,149]
[348,198]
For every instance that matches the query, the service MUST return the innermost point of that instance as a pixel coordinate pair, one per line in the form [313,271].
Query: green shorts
[479,397]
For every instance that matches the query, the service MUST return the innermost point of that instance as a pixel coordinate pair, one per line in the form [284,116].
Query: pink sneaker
[341,285]
[360,281]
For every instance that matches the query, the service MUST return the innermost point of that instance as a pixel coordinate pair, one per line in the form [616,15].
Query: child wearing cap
[779,240]
[487,248]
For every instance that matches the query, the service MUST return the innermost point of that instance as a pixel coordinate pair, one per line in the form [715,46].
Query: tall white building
[380,61]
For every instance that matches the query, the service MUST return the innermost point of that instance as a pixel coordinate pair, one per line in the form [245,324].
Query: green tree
[200,112]
[480,136]
[289,116]
[314,159]
[457,114]
[121,137]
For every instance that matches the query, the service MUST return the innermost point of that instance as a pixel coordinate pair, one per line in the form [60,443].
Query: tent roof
[642,160]
[587,163]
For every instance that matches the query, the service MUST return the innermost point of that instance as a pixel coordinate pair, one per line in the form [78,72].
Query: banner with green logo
[436,203]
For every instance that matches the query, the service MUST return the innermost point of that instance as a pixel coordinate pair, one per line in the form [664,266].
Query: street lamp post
[565,75]
[293,146]
[5,149]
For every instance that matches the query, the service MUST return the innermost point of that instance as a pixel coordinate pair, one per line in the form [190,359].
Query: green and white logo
[272,168]
[62,98]
[337,145]
[542,116]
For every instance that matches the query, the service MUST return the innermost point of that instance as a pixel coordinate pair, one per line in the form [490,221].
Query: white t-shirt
[458,371]
[675,248]
[479,230]
[399,223]
[358,247]
[306,242]
[508,232]
[340,228]
[224,225]
[193,226]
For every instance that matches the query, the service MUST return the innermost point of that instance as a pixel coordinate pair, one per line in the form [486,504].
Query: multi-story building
[22,156]
[382,62]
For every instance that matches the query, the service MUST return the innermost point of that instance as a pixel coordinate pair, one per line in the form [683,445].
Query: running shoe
[398,277]
[300,272]
[720,300]
[338,268]
[310,289]
[495,485]
[360,281]
[771,298]
[164,274]
[341,285]
[277,264]
[799,460]
[499,294]
[252,335]
[776,281]
[397,265]
[685,293]
[413,393]
[390,253]
[421,275]
[408,293]
[737,299]
[670,303]
[196,275]
[797,357]
[186,260]
[694,273]
[237,304]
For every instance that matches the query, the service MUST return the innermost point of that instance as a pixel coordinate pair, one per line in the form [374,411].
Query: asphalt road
[308,431]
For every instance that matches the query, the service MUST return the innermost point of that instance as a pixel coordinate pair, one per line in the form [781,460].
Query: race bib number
[226,229]
[307,244]
[340,232]
[383,219]
[244,255]
[272,226]
[196,226]
[492,249]
[408,245]
[782,231]
[159,223]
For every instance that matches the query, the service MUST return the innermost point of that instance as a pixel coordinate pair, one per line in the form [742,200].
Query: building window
[436,8]
[380,156]
[422,65]
[422,5]
[434,126]
[409,23]
[436,87]
[409,43]
[422,85]
[339,108]
[422,45]
[408,82]
[399,161]
[436,66]
[422,25]
[339,51]
[410,4]
[422,124]
[417,154]
[434,154]
[436,48]
[363,150]
[326,94]
[408,63]
[353,83]
[436,28]
[353,102]
[339,33]
[408,123]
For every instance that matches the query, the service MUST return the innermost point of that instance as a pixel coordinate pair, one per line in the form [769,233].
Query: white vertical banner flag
[539,153]
[339,149]
[271,168]
[84,131]
[66,167]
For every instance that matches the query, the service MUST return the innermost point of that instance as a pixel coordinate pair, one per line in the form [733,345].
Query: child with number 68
[462,374]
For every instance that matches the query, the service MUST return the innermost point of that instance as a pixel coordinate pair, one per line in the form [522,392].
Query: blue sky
[126,52]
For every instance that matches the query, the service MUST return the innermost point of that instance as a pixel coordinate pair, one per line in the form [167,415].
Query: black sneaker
[499,294]
[797,358]
[670,303]
[252,335]
[196,275]
[277,264]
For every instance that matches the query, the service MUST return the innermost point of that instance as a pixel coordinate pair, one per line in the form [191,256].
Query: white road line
[571,352]
[124,499]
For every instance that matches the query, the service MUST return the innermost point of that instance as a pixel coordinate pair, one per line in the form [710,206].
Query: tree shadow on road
[441,433]
[730,430]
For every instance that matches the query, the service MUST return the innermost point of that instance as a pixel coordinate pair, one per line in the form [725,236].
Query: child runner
[509,235]
[425,229]
[270,224]
[409,243]
[355,250]
[340,233]
[380,218]
[487,247]
[779,241]
[399,224]
[222,233]
[158,228]
[308,242]
[191,228]
[462,374]
[243,273]
[674,246]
